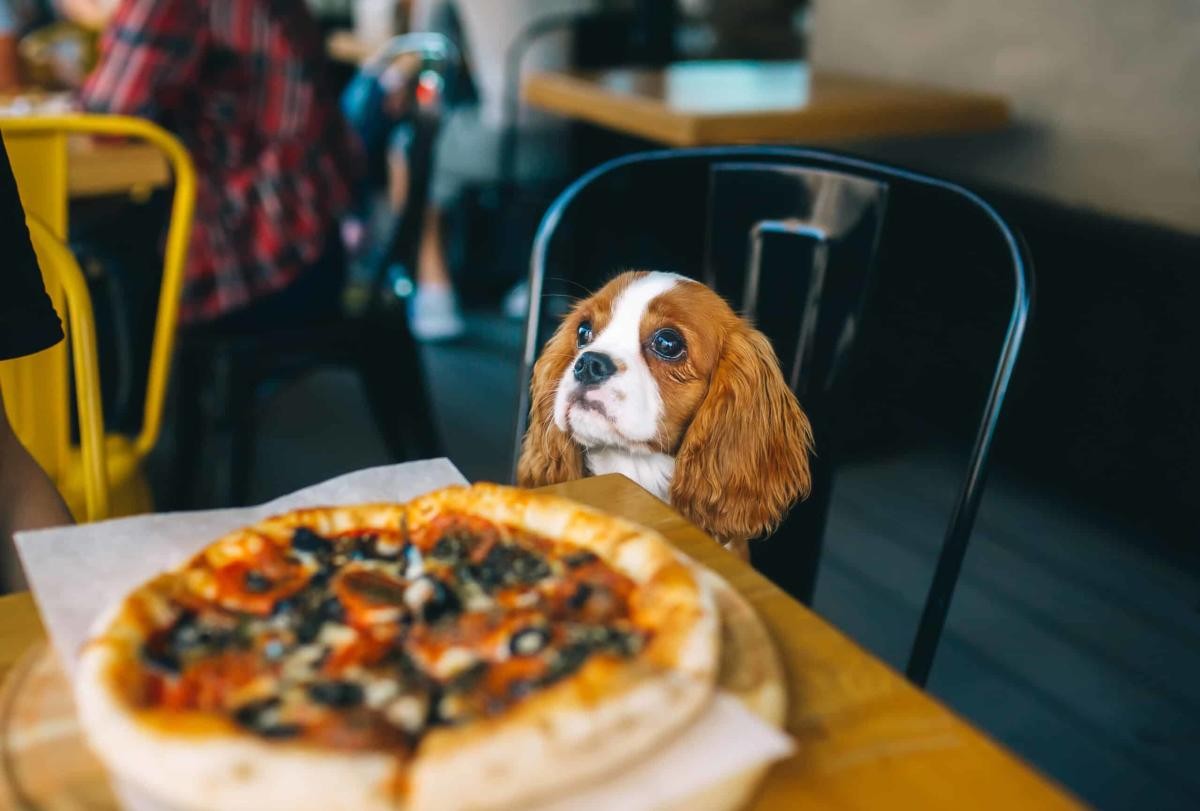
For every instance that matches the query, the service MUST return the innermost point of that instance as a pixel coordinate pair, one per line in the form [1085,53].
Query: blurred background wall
[1104,92]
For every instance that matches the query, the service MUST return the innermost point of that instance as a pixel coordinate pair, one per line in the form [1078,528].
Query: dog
[656,377]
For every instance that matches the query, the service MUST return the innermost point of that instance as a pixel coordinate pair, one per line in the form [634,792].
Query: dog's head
[658,363]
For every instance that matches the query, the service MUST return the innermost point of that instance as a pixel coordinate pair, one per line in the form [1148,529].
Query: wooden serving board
[46,766]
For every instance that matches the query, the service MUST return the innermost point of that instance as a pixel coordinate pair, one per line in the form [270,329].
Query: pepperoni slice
[208,684]
[370,597]
[257,578]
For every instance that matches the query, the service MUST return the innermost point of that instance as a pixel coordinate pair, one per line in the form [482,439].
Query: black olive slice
[577,559]
[309,628]
[432,599]
[279,731]
[527,568]
[579,597]
[569,659]
[450,547]
[248,714]
[336,693]
[259,717]
[305,540]
[256,582]
[333,610]
[161,659]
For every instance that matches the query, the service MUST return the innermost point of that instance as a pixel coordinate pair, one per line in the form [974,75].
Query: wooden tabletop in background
[96,167]
[867,739]
[99,168]
[709,103]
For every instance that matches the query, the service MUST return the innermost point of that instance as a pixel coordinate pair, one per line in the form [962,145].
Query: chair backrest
[40,149]
[791,237]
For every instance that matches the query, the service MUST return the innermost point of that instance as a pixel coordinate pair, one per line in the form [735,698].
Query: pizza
[477,648]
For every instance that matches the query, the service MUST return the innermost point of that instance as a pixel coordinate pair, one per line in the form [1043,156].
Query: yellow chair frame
[62,271]
[103,476]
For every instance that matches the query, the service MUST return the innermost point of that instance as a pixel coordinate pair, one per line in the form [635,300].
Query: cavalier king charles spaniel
[657,378]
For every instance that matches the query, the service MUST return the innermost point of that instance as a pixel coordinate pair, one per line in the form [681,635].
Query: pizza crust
[231,772]
[588,725]
[516,763]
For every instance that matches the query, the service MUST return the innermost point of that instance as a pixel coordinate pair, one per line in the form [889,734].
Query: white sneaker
[516,302]
[434,315]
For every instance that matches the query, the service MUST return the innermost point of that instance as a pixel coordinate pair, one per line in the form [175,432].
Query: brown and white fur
[716,431]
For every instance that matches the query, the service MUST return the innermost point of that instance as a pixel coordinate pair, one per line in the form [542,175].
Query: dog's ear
[744,459]
[548,455]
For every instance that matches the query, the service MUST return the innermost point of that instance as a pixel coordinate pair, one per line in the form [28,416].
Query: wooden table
[97,169]
[708,103]
[866,737]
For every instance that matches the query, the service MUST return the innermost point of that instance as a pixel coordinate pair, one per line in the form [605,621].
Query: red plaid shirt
[240,82]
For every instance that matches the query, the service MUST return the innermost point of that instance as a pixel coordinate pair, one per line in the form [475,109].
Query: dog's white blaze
[652,471]
[630,398]
[638,414]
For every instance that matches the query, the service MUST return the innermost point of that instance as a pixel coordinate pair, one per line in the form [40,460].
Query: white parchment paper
[79,573]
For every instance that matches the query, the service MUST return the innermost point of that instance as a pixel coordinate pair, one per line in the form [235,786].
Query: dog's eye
[583,335]
[667,344]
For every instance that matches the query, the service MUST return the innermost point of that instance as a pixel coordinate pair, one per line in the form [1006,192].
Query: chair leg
[792,556]
[242,405]
[193,369]
[394,381]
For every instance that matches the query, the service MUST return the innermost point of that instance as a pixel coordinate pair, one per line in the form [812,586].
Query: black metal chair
[801,241]
[371,337]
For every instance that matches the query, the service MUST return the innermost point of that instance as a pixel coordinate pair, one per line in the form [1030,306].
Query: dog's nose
[593,368]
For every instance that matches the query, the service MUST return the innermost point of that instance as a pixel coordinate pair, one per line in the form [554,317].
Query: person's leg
[467,155]
[432,266]
[435,315]
[397,181]
[315,295]
[216,364]
[433,309]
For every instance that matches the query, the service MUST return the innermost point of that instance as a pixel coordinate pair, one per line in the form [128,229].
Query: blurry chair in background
[369,335]
[792,237]
[602,34]
[39,150]
[499,165]
[600,37]
[425,60]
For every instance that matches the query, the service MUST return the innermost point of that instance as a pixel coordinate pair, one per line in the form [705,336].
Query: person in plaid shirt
[240,82]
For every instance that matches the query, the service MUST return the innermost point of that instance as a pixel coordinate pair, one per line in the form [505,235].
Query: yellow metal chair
[37,389]
[48,394]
